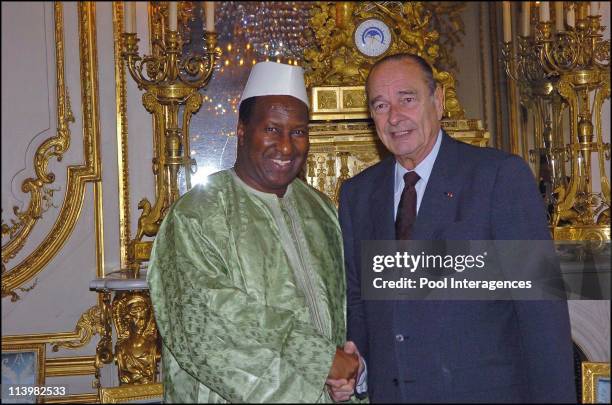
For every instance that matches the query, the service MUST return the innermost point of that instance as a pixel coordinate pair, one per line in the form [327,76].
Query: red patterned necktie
[406,210]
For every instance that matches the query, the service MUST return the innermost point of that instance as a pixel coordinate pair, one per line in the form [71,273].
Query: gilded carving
[591,373]
[78,175]
[13,294]
[576,204]
[88,325]
[170,79]
[335,61]
[137,349]
[327,99]
[341,149]
[131,393]
[446,17]
[354,99]
[192,105]
[344,174]
[429,28]
[554,70]
[600,97]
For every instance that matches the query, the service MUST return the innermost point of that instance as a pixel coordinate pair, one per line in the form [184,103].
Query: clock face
[372,37]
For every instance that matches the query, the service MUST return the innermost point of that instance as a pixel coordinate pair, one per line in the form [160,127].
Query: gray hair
[422,63]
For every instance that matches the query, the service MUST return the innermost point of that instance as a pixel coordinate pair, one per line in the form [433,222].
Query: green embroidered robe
[248,291]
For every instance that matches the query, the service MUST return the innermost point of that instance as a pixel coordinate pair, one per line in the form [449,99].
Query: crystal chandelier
[274,29]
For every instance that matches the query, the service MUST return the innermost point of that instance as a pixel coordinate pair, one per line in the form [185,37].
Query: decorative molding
[493,35]
[99,227]
[77,175]
[88,325]
[44,337]
[591,372]
[73,399]
[483,81]
[56,146]
[131,393]
[122,134]
[69,366]
[513,108]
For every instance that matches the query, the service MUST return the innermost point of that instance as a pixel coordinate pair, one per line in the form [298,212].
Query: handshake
[345,369]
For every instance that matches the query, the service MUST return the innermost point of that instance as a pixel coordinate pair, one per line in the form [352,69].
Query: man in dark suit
[436,188]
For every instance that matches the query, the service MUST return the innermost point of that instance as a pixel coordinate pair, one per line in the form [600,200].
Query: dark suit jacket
[456,351]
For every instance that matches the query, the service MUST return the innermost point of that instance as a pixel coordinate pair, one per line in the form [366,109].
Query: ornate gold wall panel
[55,146]
[88,325]
[78,175]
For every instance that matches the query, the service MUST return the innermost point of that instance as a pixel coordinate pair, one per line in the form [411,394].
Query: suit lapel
[439,204]
[381,202]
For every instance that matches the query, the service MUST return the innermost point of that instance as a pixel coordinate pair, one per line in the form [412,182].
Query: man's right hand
[344,366]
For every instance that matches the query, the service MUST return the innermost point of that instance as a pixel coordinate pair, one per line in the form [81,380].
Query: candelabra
[170,80]
[555,72]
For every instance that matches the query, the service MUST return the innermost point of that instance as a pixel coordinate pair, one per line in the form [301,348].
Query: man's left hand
[341,390]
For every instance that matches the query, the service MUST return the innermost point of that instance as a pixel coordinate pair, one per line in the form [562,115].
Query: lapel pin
[449,194]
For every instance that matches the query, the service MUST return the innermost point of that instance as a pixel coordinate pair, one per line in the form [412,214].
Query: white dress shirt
[423,169]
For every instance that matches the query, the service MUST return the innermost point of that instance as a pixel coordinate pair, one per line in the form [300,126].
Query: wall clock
[372,37]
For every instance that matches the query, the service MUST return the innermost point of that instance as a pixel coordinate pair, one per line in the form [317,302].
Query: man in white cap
[246,274]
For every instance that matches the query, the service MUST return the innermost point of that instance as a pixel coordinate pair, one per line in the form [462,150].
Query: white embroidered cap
[275,79]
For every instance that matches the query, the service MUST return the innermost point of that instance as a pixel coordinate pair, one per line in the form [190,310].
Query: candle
[172,16]
[559,16]
[130,16]
[571,19]
[209,10]
[594,8]
[507,21]
[526,22]
[544,11]
[582,10]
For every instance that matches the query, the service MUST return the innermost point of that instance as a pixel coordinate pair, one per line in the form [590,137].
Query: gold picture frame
[132,393]
[591,373]
[23,365]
